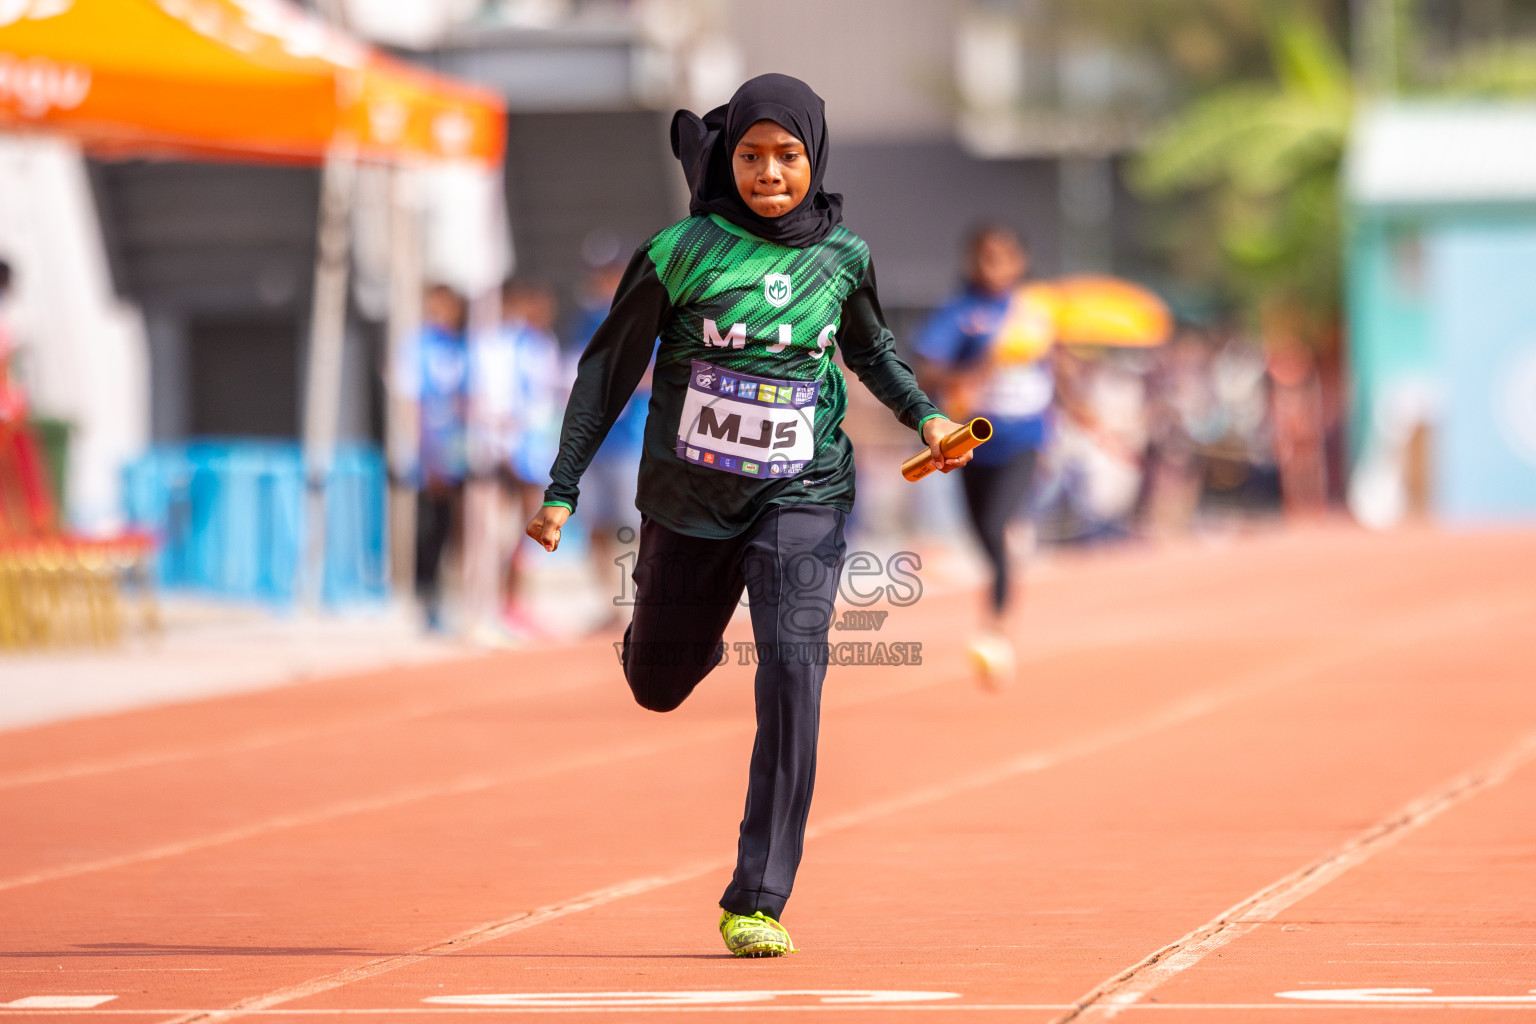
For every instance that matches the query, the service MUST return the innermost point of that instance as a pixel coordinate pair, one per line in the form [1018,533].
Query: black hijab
[704,145]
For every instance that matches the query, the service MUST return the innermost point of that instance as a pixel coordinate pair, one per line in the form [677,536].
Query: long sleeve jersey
[746,404]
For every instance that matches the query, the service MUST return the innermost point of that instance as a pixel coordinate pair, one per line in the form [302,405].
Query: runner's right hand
[545,525]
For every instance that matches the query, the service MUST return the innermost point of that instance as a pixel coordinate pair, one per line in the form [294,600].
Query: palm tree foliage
[1265,158]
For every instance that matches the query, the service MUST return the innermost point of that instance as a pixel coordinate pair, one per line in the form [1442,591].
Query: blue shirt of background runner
[958,335]
[444,398]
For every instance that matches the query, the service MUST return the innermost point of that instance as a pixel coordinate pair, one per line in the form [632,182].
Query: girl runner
[746,479]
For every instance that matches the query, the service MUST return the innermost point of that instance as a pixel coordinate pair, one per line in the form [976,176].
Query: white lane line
[651,999]
[753,1008]
[346,808]
[1522,945]
[459,787]
[1400,996]
[1137,629]
[463,940]
[266,739]
[1177,713]
[56,1002]
[1129,987]
[1443,621]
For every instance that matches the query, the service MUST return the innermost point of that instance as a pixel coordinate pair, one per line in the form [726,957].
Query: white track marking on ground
[1138,629]
[1179,712]
[266,739]
[687,997]
[459,787]
[56,1002]
[1399,996]
[1132,985]
[464,785]
[343,1011]
[463,940]
[1522,945]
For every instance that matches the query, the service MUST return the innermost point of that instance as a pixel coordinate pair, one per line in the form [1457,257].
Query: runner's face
[997,264]
[772,171]
[442,309]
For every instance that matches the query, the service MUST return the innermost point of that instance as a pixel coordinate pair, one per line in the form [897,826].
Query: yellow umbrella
[1100,310]
[1081,310]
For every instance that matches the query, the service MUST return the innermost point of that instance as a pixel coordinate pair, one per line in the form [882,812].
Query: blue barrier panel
[230,519]
[1485,324]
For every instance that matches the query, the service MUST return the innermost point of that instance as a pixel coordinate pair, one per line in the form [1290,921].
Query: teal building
[1441,312]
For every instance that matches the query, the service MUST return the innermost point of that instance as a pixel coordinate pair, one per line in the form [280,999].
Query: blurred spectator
[12,403]
[967,362]
[1297,410]
[1237,445]
[1183,414]
[521,376]
[434,374]
[608,487]
[1100,442]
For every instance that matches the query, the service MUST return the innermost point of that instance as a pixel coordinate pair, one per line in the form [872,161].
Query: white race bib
[751,426]
[1015,392]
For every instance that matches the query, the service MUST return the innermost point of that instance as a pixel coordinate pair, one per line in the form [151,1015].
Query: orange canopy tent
[239,78]
[249,79]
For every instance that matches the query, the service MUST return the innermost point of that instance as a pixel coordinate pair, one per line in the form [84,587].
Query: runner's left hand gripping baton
[952,445]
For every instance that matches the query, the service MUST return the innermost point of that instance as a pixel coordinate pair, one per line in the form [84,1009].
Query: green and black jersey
[715,294]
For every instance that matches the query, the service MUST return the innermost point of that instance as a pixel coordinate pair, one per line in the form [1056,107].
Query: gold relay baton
[952,445]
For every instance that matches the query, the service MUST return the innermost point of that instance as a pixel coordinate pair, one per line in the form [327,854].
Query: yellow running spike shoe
[992,657]
[758,935]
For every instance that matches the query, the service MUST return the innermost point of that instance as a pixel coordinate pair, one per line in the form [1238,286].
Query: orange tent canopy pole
[249,79]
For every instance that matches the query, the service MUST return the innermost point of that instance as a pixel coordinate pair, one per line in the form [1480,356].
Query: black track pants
[435,514]
[686,589]
[994,495]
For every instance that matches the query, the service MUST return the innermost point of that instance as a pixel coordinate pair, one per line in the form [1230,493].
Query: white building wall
[82,351]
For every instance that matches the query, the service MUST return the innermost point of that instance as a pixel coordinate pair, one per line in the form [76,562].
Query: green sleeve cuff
[563,505]
[925,419]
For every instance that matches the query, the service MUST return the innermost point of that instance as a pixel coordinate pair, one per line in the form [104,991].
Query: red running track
[1287,778]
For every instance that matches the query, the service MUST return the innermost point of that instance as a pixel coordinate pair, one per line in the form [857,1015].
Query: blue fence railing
[229,516]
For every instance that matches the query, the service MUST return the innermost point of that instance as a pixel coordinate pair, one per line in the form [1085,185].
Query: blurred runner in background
[526,367]
[980,370]
[608,487]
[434,372]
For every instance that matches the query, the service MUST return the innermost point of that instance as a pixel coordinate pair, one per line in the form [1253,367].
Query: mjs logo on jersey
[759,431]
[776,290]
